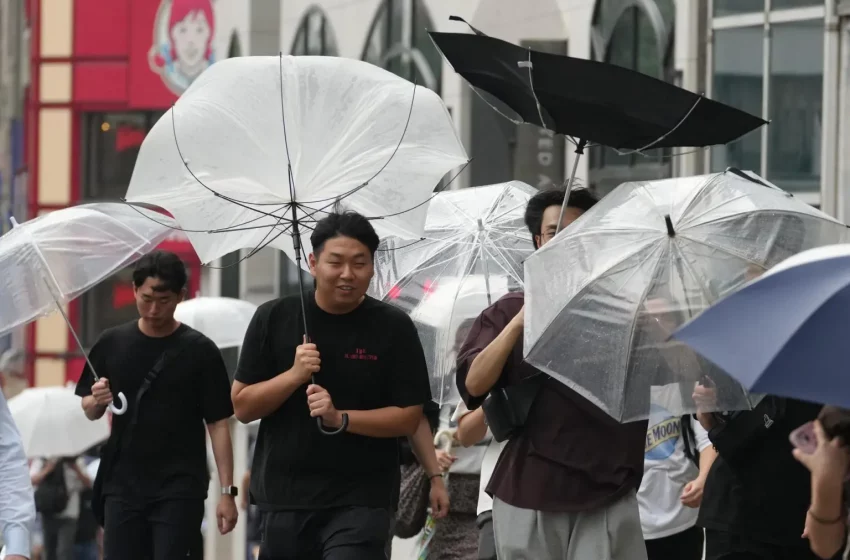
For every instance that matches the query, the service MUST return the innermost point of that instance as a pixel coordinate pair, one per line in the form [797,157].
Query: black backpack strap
[122,433]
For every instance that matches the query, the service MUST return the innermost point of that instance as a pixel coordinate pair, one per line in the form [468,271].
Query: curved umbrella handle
[339,430]
[123,409]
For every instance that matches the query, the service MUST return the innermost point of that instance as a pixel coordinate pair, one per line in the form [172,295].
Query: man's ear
[312,259]
[183,293]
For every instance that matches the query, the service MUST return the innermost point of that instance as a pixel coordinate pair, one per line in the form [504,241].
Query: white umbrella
[52,423]
[604,296]
[223,320]
[258,143]
[53,259]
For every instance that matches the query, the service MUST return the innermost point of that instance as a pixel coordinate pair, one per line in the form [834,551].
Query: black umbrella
[591,101]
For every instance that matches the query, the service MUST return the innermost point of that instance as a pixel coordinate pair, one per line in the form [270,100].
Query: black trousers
[686,545]
[349,533]
[721,545]
[162,530]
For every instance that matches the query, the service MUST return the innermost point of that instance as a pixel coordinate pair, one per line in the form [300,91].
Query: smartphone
[804,439]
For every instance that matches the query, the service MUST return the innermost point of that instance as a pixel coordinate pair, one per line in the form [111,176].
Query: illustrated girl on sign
[182,42]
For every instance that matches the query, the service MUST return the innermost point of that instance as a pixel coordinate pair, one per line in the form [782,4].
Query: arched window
[315,36]
[235,47]
[398,41]
[634,34]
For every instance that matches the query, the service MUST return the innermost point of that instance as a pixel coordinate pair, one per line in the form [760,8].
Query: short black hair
[165,266]
[582,199]
[344,224]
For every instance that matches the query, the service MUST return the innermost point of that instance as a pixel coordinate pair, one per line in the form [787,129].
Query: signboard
[539,155]
[171,44]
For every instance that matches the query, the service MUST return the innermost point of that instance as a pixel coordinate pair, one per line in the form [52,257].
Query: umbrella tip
[14,221]
[670,231]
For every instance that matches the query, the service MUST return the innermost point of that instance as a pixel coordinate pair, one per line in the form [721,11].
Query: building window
[634,34]
[770,63]
[315,36]
[398,41]
[111,144]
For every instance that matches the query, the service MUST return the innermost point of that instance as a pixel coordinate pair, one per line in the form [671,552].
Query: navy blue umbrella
[787,333]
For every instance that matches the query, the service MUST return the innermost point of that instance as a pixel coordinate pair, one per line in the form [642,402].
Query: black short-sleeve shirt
[371,359]
[167,456]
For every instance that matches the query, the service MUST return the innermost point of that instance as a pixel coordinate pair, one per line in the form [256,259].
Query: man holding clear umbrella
[153,478]
[330,495]
[565,484]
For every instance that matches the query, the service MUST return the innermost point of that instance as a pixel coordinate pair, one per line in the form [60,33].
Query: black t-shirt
[167,456]
[765,495]
[371,359]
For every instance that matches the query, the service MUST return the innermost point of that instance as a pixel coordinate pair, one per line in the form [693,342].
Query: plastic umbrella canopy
[471,254]
[52,423]
[604,296]
[786,332]
[218,160]
[60,255]
[223,320]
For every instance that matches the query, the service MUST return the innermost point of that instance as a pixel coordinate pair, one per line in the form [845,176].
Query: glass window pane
[738,69]
[785,4]
[730,7]
[796,89]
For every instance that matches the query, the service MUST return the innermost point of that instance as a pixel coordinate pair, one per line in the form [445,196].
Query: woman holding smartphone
[820,446]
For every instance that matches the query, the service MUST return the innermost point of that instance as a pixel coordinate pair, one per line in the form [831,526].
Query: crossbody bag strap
[154,372]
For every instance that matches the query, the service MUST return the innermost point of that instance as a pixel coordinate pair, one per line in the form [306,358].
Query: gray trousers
[610,533]
[59,533]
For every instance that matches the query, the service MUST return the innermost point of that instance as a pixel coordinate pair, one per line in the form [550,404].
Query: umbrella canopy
[605,294]
[592,101]
[52,424]
[59,256]
[223,320]
[52,259]
[218,160]
[785,333]
[474,244]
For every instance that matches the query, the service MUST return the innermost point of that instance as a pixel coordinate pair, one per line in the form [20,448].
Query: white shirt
[17,505]
[488,461]
[666,468]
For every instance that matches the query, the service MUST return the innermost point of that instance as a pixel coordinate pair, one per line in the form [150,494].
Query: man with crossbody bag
[152,482]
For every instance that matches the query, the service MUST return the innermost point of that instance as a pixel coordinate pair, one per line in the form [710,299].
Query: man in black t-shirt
[330,496]
[153,477]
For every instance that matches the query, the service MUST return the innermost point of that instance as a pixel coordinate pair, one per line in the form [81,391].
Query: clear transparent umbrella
[53,259]
[471,254]
[605,295]
[260,146]
[52,424]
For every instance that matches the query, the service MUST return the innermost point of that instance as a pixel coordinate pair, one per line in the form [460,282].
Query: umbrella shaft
[579,152]
[73,332]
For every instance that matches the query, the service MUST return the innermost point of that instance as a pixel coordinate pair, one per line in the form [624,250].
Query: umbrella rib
[766,211]
[721,249]
[634,322]
[706,292]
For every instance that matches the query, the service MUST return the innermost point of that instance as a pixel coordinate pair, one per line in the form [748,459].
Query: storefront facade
[101,73]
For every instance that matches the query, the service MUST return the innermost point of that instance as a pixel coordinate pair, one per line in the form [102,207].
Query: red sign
[171,44]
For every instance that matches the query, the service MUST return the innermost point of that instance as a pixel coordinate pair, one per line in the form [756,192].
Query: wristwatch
[229,491]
